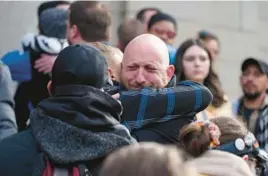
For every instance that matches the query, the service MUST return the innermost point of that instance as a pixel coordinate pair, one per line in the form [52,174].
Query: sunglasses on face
[170,34]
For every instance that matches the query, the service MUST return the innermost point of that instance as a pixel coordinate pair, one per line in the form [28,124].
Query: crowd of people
[141,108]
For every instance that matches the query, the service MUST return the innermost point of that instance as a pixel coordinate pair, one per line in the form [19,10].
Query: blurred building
[241,26]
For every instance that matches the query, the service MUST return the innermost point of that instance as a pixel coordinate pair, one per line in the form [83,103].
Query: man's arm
[158,105]
[8,124]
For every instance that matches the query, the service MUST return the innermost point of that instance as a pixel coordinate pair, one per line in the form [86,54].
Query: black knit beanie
[161,17]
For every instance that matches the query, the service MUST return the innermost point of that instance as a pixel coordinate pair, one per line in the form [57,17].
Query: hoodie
[77,125]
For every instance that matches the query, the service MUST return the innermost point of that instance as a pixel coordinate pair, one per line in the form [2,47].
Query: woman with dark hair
[194,62]
[211,41]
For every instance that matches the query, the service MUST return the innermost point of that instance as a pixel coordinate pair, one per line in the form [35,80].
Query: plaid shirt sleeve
[158,105]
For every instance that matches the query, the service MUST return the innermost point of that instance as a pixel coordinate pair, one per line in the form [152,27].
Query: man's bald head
[147,43]
[146,63]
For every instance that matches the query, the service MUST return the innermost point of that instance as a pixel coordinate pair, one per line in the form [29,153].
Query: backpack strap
[78,170]
[51,170]
[75,171]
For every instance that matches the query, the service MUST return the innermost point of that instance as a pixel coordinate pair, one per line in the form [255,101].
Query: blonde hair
[109,53]
[113,56]
[147,159]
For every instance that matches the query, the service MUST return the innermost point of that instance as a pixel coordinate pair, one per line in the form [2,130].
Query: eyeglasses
[170,34]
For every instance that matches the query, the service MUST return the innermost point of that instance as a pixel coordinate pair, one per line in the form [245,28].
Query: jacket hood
[78,123]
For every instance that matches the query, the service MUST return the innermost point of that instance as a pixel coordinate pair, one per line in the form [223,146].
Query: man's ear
[74,32]
[111,73]
[267,84]
[170,71]
[49,88]
[240,79]
[38,28]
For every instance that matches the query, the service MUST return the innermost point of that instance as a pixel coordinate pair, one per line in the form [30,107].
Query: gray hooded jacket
[8,124]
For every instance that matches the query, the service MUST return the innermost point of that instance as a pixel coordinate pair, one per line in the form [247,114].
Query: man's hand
[45,63]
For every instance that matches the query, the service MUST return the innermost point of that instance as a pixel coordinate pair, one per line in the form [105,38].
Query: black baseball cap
[81,64]
[252,61]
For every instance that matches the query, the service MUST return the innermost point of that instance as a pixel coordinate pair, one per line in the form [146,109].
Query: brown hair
[147,159]
[128,30]
[231,128]
[140,14]
[195,140]
[206,36]
[92,20]
[211,81]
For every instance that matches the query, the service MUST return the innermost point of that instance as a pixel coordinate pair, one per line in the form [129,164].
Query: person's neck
[254,104]
[78,41]
[82,41]
[198,81]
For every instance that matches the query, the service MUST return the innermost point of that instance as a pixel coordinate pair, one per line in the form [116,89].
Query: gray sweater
[8,124]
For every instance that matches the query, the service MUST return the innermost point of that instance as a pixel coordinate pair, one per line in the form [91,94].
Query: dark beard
[252,96]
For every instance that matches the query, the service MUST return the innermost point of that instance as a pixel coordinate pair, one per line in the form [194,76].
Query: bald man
[114,57]
[146,63]
[155,109]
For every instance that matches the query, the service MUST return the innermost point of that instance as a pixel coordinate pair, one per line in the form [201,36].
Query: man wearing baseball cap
[252,107]
[75,128]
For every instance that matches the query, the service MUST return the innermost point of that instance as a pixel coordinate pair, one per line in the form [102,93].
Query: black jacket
[38,83]
[78,124]
[158,114]
[30,92]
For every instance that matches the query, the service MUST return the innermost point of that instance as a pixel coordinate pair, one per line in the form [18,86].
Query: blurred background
[240,25]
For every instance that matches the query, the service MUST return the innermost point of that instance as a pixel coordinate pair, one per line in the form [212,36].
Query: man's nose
[140,77]
[251,76]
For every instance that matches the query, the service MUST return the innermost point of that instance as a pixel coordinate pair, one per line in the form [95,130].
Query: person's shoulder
[3,68]
[17,150]
[17,142]
[5,75]
[225,110]
[227,102]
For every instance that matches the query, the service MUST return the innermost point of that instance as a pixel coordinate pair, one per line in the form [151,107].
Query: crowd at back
[144,107]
